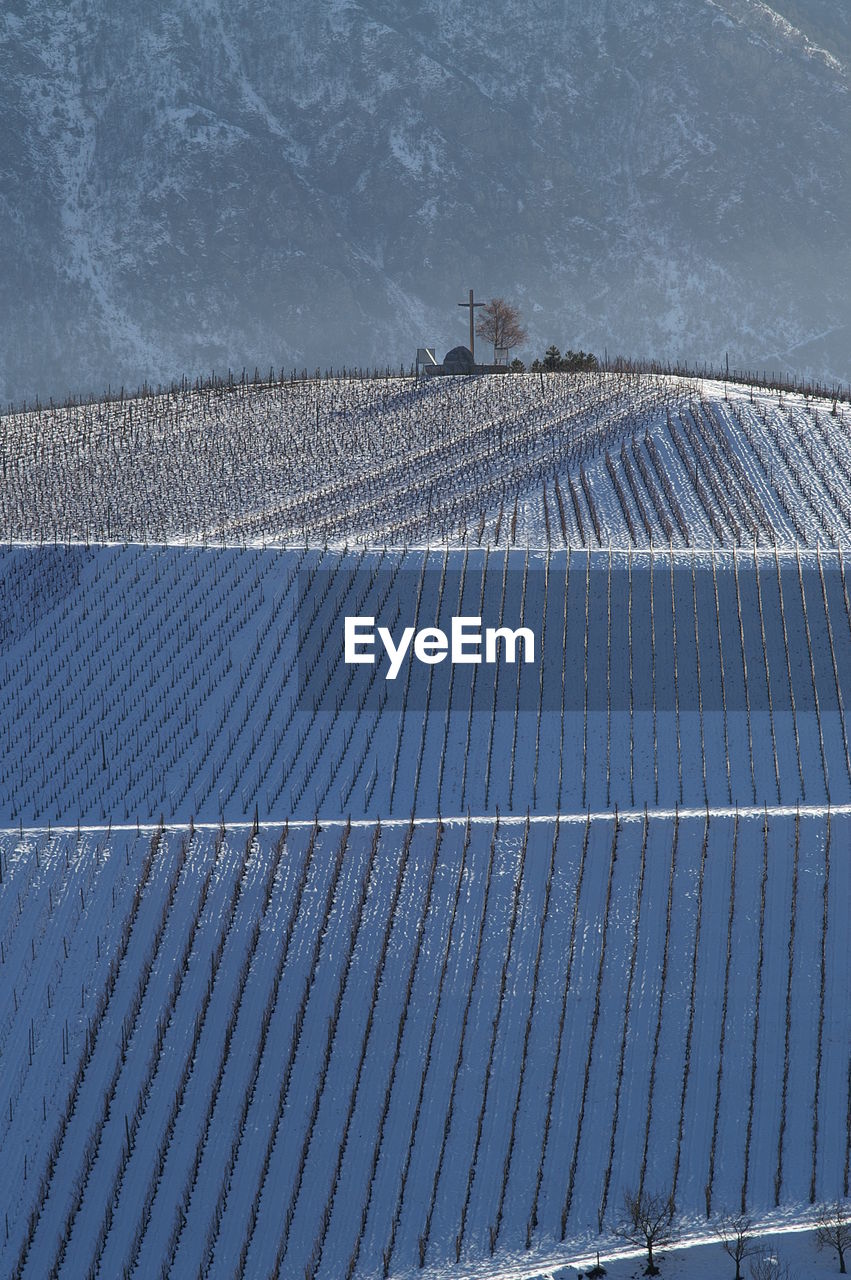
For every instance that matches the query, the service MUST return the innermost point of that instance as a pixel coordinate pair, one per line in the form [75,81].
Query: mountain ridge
[214,186]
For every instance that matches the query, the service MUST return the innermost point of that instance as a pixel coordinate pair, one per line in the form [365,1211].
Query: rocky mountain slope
[205,184]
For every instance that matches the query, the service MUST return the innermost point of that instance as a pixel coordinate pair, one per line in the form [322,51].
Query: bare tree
[734,1232]
[767,1266]
[499,323]
[834,1230]
[648,1220]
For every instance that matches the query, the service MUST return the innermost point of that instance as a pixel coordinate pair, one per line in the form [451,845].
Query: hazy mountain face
[201,184]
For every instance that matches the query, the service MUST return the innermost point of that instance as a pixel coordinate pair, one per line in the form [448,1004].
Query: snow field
[48,893]
[659,677]
[584,459]
[349,1044]
[706,471]
[137,1076]
[112,975]
[504,1026]
[338,460]
[274,1054]
[171,1180]
[365,1127]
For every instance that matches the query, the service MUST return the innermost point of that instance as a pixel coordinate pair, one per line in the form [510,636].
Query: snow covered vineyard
[361,1050]
[312,973]
[194,683]
[564,459]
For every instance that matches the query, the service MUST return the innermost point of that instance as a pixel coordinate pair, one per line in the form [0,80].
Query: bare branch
[734,1233]
[834,1230]
[767,1266]
[648,1220]
[499,323]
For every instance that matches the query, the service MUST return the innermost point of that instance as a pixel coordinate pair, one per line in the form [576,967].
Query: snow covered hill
[308,972]
[362,1051]
[692,613]
[608,459]
[193,185]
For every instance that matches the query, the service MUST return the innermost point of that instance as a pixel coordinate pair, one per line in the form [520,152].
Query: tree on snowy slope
[834,1230]
[648,1221]
[499,323]
[734,1232]
[767,1266]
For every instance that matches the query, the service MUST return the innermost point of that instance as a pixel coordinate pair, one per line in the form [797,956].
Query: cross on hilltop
[472,305]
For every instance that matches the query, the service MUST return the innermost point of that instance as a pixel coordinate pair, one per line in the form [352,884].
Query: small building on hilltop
[460,361]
